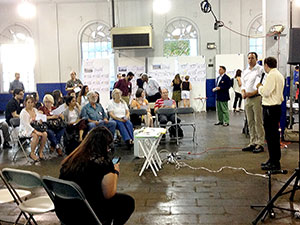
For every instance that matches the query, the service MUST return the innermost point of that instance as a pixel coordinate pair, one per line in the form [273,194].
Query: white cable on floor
[178,165]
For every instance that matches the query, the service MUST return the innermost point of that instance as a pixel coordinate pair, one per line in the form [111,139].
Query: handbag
[39,126]
[56,124]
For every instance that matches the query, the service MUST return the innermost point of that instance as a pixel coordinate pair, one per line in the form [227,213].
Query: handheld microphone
[262,77]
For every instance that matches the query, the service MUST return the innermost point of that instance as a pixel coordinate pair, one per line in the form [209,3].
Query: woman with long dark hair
[176,84]
[237,83]
[90,166]
[82,98]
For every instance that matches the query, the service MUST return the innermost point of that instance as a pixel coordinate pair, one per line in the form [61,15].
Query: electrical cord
[172,158]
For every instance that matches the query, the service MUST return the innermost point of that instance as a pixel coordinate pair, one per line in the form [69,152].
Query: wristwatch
[116,172]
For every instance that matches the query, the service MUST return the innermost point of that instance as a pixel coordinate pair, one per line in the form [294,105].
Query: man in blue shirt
[96,115]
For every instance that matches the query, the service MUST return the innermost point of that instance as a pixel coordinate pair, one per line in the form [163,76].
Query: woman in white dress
[28,115]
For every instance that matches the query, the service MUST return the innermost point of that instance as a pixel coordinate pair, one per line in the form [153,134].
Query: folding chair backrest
[22,178]
[62,193]
[166,111]
[188,110]
[138,112]
[14,122]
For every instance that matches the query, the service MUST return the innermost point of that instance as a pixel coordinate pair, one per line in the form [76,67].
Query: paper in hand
[168,102]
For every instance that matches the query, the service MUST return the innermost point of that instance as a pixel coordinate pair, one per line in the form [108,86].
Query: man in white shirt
[253,109]
[272,97]
[152,88]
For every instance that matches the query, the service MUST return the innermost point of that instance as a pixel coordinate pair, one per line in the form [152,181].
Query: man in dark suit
[222,91]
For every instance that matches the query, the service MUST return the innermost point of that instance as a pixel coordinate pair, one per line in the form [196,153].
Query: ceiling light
[161,6]
[26,9]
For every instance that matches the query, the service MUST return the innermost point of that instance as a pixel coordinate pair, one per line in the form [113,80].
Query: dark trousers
[163,119]
[271,116]
[238,98]
[153,98]
[118,209]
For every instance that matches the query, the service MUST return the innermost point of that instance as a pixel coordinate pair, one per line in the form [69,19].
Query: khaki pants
[253,110]
[126,99]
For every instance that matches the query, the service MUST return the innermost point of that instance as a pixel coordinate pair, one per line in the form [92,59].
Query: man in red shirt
[125,86]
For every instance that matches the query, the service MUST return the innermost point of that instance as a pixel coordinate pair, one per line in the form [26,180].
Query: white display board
[135,65]
[96,76]
[164,69]
[232,62]
[195,67]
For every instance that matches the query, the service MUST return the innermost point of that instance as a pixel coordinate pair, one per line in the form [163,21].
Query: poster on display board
[96,76]
[164,70]
[195,68]
[232,62]
[135,65]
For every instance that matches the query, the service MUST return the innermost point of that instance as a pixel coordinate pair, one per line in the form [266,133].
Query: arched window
[256,40]
[95,43]
[17,54]
[181,38]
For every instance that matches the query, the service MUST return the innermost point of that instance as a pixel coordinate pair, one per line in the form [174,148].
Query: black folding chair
[136,114]
[68,195]
[186,111]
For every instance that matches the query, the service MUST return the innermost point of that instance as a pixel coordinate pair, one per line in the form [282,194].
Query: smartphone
[115,160]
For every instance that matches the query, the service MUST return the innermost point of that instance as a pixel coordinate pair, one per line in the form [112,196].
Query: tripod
[269,208]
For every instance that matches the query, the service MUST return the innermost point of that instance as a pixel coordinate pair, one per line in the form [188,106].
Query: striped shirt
[160,102]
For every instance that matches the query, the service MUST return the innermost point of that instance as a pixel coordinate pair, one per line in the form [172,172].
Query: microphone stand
[295,176]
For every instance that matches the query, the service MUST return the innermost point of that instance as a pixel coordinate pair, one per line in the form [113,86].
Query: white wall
[57,26]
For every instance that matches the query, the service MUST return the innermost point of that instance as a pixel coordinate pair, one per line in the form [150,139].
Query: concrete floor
[186,195]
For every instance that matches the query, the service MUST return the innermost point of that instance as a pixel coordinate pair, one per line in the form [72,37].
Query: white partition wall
[164,69]
[96,76]
[195,67]
[232,62]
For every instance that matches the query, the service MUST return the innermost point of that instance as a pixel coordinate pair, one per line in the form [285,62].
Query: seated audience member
[14,105]
[152,88]
[118,111]
[4,128]
[91,168]
[36,97]
[82,97]
[166,102]
[141,103]
[58,98]
[73,82]
[95,114]
[73,94]
[27,116]
[16,84]
[54,132]
[72,117]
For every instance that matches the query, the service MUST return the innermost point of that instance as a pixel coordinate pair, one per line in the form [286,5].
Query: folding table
[148,140]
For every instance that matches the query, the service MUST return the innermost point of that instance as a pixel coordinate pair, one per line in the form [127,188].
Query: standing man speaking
[272,97]
[253,109]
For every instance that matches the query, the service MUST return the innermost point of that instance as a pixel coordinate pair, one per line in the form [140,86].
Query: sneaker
[225,124]
[220,123]
[258,149]
[249,148]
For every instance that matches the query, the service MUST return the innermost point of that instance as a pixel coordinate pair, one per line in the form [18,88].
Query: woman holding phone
[91,168]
